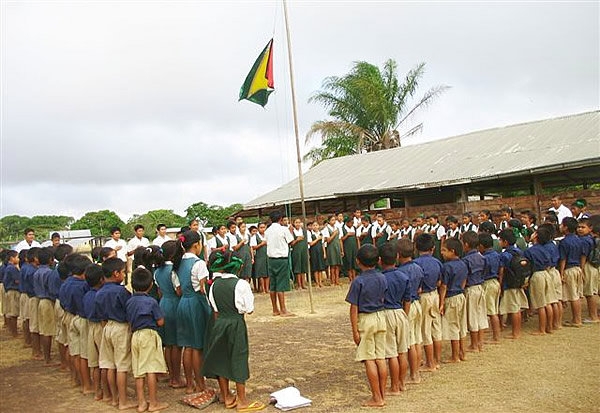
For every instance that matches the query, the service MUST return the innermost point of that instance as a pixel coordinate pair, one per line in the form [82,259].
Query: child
[147,360]
[46,316]
[396,304]
[26,270]
[467,223]
[334,250]
[415,314]
[439,234]
[227,348]
[299,254]
[452,299]
[161,235]
[366,298]
[453,228]
[486,216]
[219,241]
[578,209]
[476,311]
[488,228]
[395,234]
[514,270]
[407,231]
[517,228]
[261,262]
[33,303]
[115,348]
[541,288]
[506,214]
[245,251]
[572,261]
[350,243]
[117,244]
[380,231]
[491,285]
[591,272]
[11,285]
[317,253]
[430,301]
[192,311]
[528,219]
[278,239]
[56,281]
[364,231]
[255,283]
[557,307]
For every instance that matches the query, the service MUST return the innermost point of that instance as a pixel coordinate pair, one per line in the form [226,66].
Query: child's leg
[480,340]
[592,304]
[373,376]
[154,404]
[111,377]
[267,284]
[86,383]
[26,333]
[413,362]
[240,389]
[122,388]
[274,303]
[188,369]
[474,341]
[12,326]
[35,344]
[96,379]
[394,365]
[197,363]
[46,344]
[141,398]
[549,318]
[437,353]
[75,372]
[107,392]
[515,320]
[455,351]
[383,373]
[63,357]
[430,362]
[461,349]
[167,357]
[403,362]
[282,307]
[541,322]
[176,365]
[576,310]
[495,322]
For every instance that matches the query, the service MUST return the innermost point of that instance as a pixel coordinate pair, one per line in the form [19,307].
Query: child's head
[275,216]
[506,213]
[229,262]
[340,217]
[419,220]
[486,227]
[485,242]
[96,254]
[484,215]
[297,223]
[394,226]
[62,251]
[168,250]
[193,224]
[106,253]
[161,230]
[242,226]
[232,226]
[515,223]
[262,227]
[470,240]
[433,219]
[568,225]
[12,257]
[148,257]
[45,256]
[253,230]
[507,238]
[32,254]
[543,235]
[114,269]
[405,223]
[190,241]
[405,248]
[77,263]
[94,275]
[578,207]
[452,249]
[452,222]
[424,243]
[285,221]
[23,256]
[365,220]
[115,233]
[466,218]
[551,218]
[348,221]
[139,231]
[331,219]
[380,219]
[367,257]
[551,228]
[357,213]
[388,254]
[221,230]
[55,239]
[584,227]
[141,280]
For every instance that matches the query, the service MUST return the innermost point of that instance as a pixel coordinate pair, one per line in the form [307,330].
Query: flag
[259,83]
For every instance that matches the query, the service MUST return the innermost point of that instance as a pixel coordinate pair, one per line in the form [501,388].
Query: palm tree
[368,106]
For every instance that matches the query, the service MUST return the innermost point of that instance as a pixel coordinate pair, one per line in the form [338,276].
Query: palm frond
[427,99]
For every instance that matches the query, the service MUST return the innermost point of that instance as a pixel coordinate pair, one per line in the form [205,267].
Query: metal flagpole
[300,180]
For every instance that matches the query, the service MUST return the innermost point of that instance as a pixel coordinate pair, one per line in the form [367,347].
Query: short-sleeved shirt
[538,256]
[65,299]
[415,276]
[432,271]
[278,240]
[588,243]
[122,253]
[11,278]
[136,242]
[111,302]
[54,283]
[89,306]
[492,264]
[24,268]
[571,249]
[506,257]
[40,282]
[23,245]
[75,292]
[367,291]
[562,212]
[476,265]
[398,288]
[27,280]
[159,241]
[455,272]
[552,249]
[143,312]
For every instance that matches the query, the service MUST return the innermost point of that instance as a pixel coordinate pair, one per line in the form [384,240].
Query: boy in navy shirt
[541,290]
[33,303]
[591,273]
[115,350]
[415,314]
[552,248]
[491,286]
[11,286]
[452,299]
[430,301]
[24,297]
[46,321]
[397,305]
[147,358]
[572,261]
[476,311]
[366,296]
[57,276]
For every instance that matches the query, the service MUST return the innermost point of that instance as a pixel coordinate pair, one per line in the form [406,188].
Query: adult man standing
[559,209]
[28,242]
[117,244]
[161,237]
[278,239]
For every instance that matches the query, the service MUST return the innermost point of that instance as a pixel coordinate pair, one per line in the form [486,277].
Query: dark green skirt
[350,253]
[317,258]
[247,258]
[334,252]
[261,266]
[300,259]
[226,353]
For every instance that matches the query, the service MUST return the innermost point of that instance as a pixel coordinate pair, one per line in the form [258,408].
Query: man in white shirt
[559,209]
[134,243]
[117,244]
[278,239]
[28,242]
[162,237]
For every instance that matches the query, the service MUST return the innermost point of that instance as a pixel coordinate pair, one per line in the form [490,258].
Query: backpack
[518,271]
[594,257]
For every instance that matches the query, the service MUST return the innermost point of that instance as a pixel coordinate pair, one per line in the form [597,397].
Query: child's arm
[500,276]
[160,322]
[463,284]
[354,323]
[443,291]
[406,306]
[561,268]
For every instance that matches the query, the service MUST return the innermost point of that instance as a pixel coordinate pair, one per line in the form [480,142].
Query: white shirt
[439,230]
[174,277]
[278,239]
[254,241]
[212,243]
[396,234]
[243,297]
[231,240]
[407,233]
[136,242]
[312,236]
[23,245]
[454,233]
[339,225]
[362,230]
[468,227]
[199,271]
[159,241]
[122,253]
[376,229]
[562,212]
[357,222]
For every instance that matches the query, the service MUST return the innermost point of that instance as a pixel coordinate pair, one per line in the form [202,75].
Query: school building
[518,165]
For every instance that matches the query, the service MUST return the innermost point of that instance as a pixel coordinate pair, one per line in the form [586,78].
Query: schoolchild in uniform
[339,223]
[46,316]
[476,308]
[364,231]
[488,228]
[397,304]
[334,249]
[380,231]
[452,299]
[357,219]
[506,214]
[2,291]
[299,254]
[415,315]
[255,283]
[529,220]
[552,248]
[430,301]
[406,231]
[591,273]
[64,269]
[243,237]
[491,285]
[578,208]
[57,277]
[467,223]
[366,297]
[395,234]
[486,216]
[439,234]
[11,286]
[33,303]
[350,244]
[572,261]
[517,228]
[453,228]
[219,240]
[317,253]
[261,262]
[147,360]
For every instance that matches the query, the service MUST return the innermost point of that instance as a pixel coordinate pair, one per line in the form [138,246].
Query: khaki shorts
[431,325]
[372,330]
[78,337]
[24,306]
[491,292]
[147,353]
[415,321]
[550,290]
[2,294]
[33,305]
[513,301]
[66,327]
[59,313]
[476,311]
[115,350]
[454,320]
[556,283]
[46,318]
[573,285]
[93,343]
[590,284]
[397,332]
[11,304]
[538,284]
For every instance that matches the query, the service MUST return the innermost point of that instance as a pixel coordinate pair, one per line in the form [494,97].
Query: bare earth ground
[557,373]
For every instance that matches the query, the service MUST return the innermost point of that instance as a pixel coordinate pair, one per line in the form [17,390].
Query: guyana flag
[259,83]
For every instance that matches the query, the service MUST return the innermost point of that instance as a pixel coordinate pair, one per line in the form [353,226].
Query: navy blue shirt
[455,272]
[54,283]
[506,256]
[27,279]
[588,244]
[415,277]
[571,249]
[24,268]
[539,257]
[11,278]
[432,271]
[2,268]
[143,311]
[552,249]
[74,293]
[398,289]
[111,302]
[367,291]
[89,306]
[40,281]
[492,264]
[476,265]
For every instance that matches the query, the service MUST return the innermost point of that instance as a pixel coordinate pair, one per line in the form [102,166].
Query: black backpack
[518,270]
[594,257]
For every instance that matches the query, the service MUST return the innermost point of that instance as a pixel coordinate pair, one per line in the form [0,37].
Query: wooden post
[463,199]
[537,190]
[406,205]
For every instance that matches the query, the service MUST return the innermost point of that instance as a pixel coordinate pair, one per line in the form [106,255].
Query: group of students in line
[405,300]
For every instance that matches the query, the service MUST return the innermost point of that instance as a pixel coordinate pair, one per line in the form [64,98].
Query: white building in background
[75,238]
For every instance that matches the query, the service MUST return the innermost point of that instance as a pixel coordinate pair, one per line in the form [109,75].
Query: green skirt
[300,259]
[317,258]
[261,266]
[350,253]
[334,253]
[247,258]
[226,353]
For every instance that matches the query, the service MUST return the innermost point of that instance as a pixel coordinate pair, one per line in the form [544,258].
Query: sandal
[253,407]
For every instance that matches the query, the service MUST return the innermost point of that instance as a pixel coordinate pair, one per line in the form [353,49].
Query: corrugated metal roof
[519,149]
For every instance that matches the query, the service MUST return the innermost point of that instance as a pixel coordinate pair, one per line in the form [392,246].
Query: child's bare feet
[537,333]
[158,406]
[462,356]
[127,405]
[513,337]
[492,341]
[287,314]
[471,349]
[373,403]
[451,361]
[390,392]
[414,380]
[276,313]
[428,369]
[142,407]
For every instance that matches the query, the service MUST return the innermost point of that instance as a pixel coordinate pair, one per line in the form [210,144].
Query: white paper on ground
[289,399]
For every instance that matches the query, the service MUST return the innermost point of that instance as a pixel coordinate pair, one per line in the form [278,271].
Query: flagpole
[300,180]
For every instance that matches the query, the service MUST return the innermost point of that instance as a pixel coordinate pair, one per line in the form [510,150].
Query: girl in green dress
[317,253]
[261,261]
[350,248]
[299,254]
[334,249]
[364,233]
[243,239]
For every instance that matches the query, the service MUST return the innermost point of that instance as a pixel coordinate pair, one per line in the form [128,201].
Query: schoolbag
[518,270]
[594,257]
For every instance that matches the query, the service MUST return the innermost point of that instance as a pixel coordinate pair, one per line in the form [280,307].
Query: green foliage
[212,215]
[100,223]
[368,106]
[12,226]
[159,216]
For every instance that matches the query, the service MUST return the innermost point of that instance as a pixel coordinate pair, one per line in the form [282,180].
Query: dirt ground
[557,373]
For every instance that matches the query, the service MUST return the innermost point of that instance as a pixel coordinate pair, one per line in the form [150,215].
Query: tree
[100,223]
[159,216]
[212,215]
[12,226]
[368,108]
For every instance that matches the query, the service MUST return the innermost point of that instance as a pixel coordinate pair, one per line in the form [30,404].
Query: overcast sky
[133,106]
